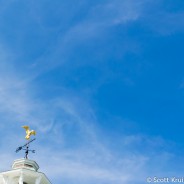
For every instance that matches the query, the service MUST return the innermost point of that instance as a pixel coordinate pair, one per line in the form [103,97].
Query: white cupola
[24,171]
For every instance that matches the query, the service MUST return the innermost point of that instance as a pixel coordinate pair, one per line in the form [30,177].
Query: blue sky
[102,84]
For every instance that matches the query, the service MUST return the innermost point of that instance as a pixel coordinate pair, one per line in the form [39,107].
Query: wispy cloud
[87,166]
[86,160]
[69,125]
[93,25]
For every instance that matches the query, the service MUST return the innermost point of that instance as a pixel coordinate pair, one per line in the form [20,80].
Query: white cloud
[93,25]
[99,19]
[88,160]
[128,166]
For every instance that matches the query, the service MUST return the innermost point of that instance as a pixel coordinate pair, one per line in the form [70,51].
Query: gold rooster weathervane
[25,147]
[28,132]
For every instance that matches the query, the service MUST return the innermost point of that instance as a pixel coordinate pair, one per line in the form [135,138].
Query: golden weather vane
[28,132]
[26,146]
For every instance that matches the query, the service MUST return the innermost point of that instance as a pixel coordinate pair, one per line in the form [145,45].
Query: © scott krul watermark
[173,179]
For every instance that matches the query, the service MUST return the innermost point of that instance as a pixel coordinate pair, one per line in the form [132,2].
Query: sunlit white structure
[24,171]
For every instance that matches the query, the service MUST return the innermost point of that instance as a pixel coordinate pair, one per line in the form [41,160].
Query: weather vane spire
[25,147]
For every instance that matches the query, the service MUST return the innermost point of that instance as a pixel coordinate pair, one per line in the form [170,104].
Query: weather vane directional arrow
[26,146]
